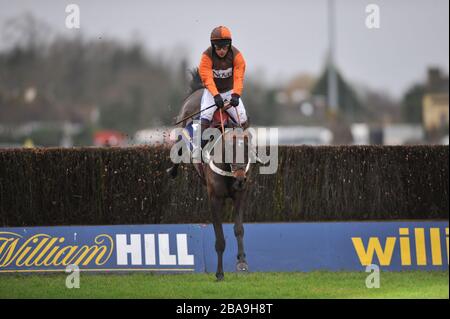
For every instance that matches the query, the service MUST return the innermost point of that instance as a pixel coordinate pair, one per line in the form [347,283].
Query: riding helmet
[221,36]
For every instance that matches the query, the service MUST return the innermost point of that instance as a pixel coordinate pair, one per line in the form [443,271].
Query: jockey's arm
[206,74]
[238,73]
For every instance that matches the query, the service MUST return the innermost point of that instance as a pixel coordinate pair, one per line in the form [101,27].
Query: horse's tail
[196,82]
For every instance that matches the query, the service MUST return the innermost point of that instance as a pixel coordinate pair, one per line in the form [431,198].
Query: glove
[234,99]
[219,101]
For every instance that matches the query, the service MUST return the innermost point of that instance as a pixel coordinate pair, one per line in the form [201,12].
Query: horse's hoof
[219,277]
[242,267]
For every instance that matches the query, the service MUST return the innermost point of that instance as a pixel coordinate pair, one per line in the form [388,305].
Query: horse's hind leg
[217,206]
[241,264]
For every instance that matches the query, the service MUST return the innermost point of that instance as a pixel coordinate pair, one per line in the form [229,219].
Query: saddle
[227,120]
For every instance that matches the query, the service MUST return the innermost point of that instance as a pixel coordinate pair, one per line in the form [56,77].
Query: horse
[222,180]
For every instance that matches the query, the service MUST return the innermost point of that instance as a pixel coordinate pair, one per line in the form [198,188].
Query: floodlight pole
[332,94]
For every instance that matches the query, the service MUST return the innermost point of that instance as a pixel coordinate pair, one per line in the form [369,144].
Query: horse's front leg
[217,207]
[241,264]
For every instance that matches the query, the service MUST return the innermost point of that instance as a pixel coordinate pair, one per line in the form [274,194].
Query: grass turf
[411,284]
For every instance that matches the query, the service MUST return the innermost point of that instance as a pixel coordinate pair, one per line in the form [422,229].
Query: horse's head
[233,160]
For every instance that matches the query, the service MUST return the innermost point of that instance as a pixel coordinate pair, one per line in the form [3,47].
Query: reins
[213,166]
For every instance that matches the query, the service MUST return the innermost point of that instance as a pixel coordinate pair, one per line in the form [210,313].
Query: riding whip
[189,116]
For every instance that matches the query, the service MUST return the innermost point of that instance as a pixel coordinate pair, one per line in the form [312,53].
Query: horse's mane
[196,82]
[190,106]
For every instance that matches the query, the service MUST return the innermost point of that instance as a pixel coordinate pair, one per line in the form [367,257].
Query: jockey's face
[221,50]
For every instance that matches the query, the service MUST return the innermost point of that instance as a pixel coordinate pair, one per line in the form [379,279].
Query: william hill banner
[102,248]
[394,246]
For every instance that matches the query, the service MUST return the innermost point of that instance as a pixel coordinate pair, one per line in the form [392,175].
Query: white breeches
[208,100]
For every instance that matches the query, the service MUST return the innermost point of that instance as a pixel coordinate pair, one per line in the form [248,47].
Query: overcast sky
[279,39]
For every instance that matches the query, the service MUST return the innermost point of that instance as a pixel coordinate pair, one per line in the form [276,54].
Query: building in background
[435,111]
[435,106]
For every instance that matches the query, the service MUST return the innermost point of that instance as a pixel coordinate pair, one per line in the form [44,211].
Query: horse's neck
[191,104]
[222,165]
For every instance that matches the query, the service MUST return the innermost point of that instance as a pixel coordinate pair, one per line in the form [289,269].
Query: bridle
[240,172]
[233,173]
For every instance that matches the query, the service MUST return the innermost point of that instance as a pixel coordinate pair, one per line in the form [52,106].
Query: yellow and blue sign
[351,246]
[394,246]
[166,248]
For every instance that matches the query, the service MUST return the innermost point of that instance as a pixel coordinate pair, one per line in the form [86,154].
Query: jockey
[221,70]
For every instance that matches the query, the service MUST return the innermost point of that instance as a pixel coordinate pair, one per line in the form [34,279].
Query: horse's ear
[196,81]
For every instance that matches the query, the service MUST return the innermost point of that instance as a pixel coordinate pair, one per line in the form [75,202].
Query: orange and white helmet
[221,35]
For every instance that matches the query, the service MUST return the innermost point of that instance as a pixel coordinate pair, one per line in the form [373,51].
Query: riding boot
[245,125]
[197,152]
[204,125]
[173,170]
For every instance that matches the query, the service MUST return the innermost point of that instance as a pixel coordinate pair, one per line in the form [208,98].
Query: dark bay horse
[223,180]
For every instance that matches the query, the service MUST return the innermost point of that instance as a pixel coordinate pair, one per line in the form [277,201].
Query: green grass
[414,284]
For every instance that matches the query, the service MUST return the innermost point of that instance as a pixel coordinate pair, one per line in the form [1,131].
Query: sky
[279,39]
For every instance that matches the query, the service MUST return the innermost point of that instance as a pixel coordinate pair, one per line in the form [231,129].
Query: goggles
[221,46]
